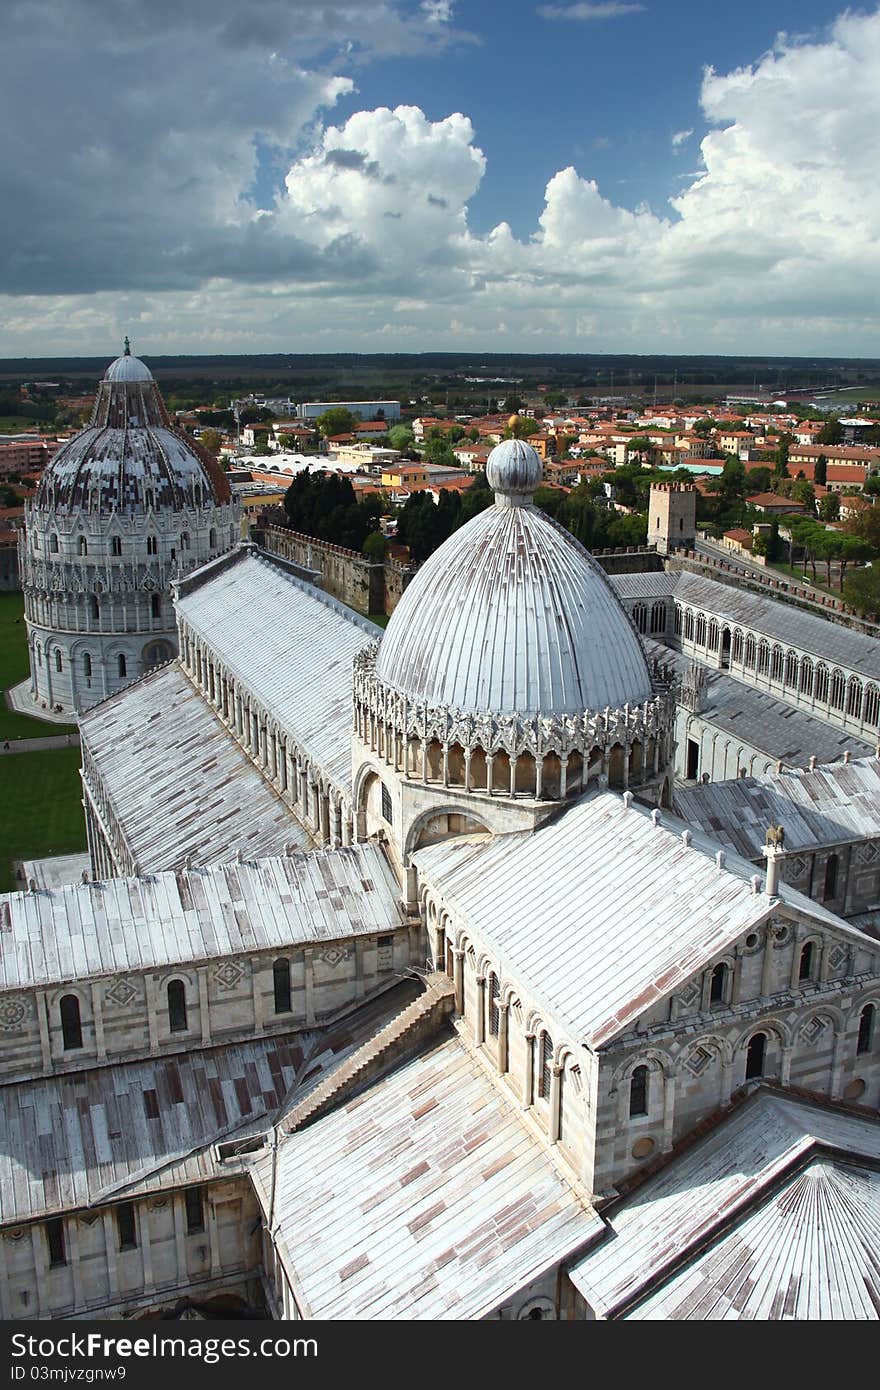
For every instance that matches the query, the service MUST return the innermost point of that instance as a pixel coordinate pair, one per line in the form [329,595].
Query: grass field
[14,668]
[40,808]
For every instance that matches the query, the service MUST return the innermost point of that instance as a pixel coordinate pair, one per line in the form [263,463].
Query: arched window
[736,646]
[494,995]
[53,543]
[281,985]
[638,1092]
[184,540]
[176,993]
[640,617]
[212,538]
[700,631]
[854,696]
[689,624]
[866,1029]
[776,664]
[755,1056]
[750,651]
[116,545]
[838,689]
[87,667]
[806,683]
[545,1066]
[658,617]
[387,806]
[712,638]
[805,965]
[83,546]
[821,682]
[763,658]
[830,887]
[677,623]
[791,667]
[71,1024]
[122,665]
[718,984]
[155,606]
[94,609]
[151,545]
[872,704]
[58,665]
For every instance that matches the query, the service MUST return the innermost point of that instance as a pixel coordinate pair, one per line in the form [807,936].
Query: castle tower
[672,516]
[123,508]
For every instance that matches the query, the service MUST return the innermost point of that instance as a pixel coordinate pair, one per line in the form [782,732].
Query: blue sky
[606,95]
[372,175]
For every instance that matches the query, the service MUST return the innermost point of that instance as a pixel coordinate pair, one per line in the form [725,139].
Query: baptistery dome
[125,507]
[129,459]
[511,616]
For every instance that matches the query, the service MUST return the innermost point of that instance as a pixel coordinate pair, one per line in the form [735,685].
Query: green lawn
[14,668]
[40,808]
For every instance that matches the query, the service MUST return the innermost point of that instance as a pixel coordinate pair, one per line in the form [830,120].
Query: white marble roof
[766,1217]
[785,622]
[600,913]
[287,642]
[70,1141]
[121,924]
[826,806]
[426,1197]
[180,786]
[512,616]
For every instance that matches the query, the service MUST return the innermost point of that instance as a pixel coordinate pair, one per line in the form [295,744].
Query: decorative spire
[127,349]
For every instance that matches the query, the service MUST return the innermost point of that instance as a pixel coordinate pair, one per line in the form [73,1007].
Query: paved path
[36,745]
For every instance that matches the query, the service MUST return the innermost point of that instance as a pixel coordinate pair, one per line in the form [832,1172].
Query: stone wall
[126,1016]
[630,559]
[345,574]
[167,1260]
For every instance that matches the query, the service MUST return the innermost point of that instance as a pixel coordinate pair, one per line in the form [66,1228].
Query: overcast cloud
[128,197]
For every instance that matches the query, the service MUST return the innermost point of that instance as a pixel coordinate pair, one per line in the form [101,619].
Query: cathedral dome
[513,616]
[128,368]
[130,459]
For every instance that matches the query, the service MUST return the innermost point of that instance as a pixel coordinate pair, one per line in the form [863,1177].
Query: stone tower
[672,516]
[123,508]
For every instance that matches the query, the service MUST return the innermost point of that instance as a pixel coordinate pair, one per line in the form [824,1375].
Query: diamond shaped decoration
[120,993]
[699,1060]
[228,974]
[813,1029]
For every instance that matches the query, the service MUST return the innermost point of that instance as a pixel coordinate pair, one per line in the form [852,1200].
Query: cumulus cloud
[603,9]
[772,245]
[135,155]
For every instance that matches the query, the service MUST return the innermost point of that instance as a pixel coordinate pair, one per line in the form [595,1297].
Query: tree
[211,440]
[336,420]
[522,427]
[400,437]
[829,507]
[853,550]
[555,398]
[862,591]
[780,460]
[703,427]
[254,415]
[375,547]
[831,432]
[513,404]
[759,480]
[820,472]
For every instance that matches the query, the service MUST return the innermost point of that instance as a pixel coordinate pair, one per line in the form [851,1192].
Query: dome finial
[514,470]
[127,348]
